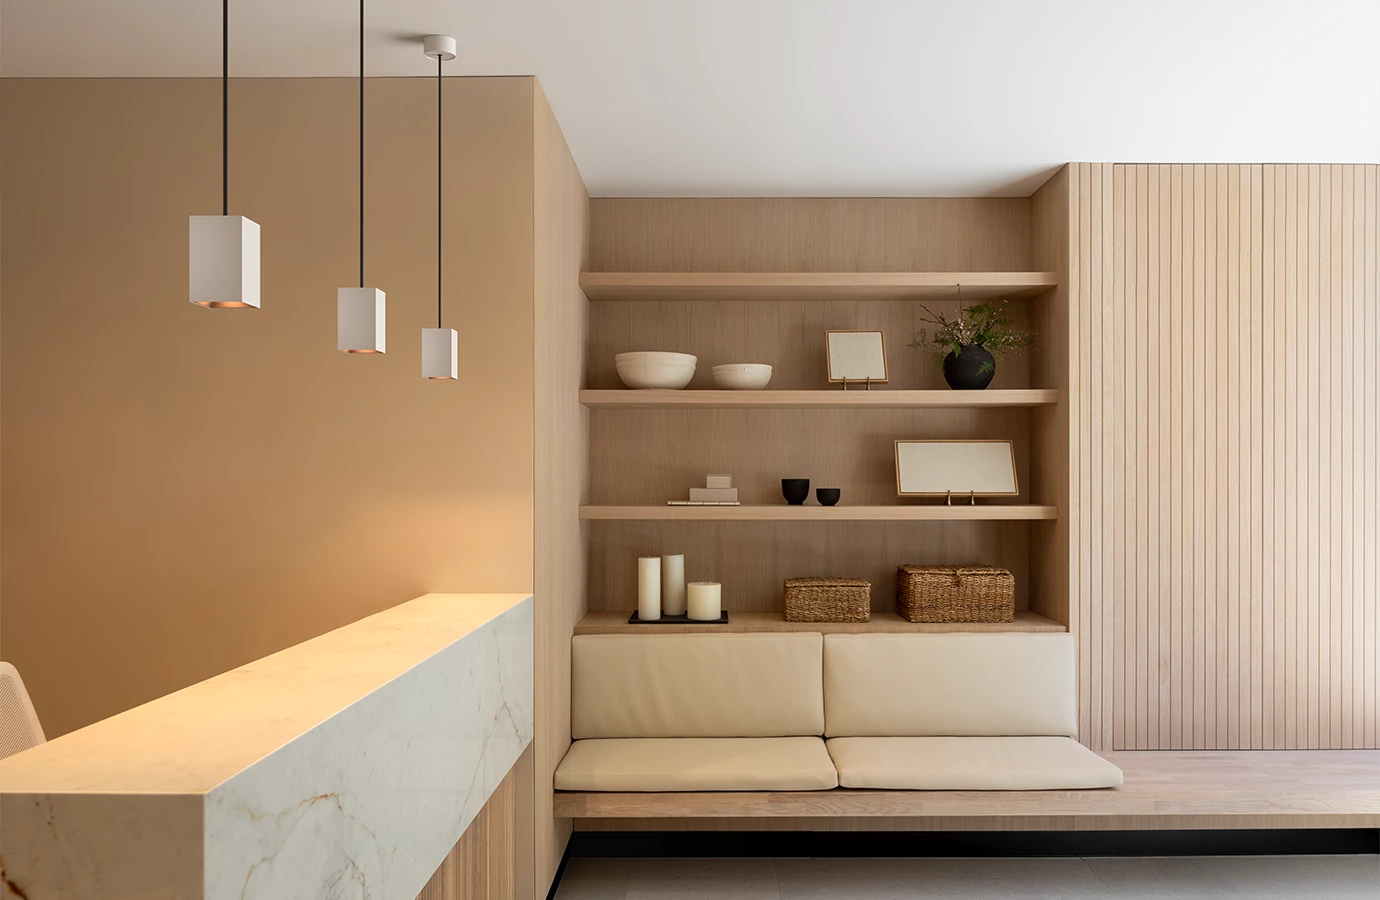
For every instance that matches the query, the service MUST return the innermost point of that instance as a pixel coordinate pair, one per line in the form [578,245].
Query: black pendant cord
[439,58]
[361,143]
[225,107]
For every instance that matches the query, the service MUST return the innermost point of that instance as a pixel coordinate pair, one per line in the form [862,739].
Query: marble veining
[365,803]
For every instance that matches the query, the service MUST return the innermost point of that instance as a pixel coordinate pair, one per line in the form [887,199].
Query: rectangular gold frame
[1015,474]
[829,366]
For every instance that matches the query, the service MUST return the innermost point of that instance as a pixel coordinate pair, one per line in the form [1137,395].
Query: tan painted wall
[186,490]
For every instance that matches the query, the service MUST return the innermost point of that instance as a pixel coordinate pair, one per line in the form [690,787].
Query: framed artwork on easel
[855,357]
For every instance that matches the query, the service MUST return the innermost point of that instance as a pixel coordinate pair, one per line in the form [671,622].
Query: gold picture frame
[863,377]
[966,484]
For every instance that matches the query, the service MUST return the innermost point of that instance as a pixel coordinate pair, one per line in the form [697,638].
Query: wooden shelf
[784,513]
[835,399]
[976,286]
[743,622]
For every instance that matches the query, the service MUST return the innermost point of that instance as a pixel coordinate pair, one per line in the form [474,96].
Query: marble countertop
[360,754]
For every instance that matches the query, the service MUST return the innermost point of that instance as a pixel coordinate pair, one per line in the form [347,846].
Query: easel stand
[868,382]
[949,498]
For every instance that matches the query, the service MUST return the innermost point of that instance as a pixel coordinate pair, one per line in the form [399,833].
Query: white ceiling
[810,97]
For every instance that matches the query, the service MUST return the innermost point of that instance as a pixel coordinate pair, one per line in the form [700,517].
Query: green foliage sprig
[988,324]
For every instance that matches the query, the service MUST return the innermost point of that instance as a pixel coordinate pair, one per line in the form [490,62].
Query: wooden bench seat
[1222,789]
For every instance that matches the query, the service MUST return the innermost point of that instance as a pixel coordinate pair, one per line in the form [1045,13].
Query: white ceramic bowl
[655,369]
[742,376]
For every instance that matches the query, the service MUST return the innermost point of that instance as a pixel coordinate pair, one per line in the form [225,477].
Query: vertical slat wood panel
[1225,495]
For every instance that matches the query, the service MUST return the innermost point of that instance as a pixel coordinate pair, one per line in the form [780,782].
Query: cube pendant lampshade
[360,320]
[224,262]
[439,353]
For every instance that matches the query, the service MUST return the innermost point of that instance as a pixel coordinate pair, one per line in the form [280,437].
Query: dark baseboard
[560,871]
[835,844]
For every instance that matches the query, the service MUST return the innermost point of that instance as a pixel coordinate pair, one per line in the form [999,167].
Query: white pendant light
[439,345]
[223,258]
[361,312]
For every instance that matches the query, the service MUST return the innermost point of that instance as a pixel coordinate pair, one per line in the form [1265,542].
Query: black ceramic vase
[795,490]
[970,370]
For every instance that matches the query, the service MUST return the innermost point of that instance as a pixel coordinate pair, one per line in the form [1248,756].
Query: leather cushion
[696,685]
[697,764]
[970,764]
[918,685]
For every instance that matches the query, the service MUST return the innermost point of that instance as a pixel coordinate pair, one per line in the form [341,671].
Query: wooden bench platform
[1176,789]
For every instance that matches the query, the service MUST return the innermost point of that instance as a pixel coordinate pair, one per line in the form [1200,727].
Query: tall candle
[702,599]
[673,584]
[649,588]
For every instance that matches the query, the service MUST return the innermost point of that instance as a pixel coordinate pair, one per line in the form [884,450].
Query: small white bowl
[655,369]
[742,376]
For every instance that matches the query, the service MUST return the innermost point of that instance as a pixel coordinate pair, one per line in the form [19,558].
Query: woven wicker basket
[828,600]
[955,594]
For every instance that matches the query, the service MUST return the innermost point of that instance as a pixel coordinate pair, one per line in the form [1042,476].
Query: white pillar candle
[673,584]
[702,599]
[649,588]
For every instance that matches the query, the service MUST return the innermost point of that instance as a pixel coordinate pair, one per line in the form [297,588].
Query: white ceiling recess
[810,97]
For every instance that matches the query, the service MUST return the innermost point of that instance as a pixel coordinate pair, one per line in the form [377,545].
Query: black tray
[680,620]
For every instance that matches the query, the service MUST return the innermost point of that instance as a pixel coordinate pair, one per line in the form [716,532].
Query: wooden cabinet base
[483,863]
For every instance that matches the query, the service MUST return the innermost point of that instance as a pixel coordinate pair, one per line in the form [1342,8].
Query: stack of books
[718,490]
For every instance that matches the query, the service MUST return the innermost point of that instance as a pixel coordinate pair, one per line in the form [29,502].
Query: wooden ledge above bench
[1322,788]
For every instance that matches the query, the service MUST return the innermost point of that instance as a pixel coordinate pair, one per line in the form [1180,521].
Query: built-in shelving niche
[647,447]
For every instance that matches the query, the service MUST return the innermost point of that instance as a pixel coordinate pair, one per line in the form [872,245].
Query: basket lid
[955,570]
[828,582]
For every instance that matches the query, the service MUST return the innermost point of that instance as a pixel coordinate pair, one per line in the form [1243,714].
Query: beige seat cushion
[697,764]
[918,685]
[970,764]
[696,685]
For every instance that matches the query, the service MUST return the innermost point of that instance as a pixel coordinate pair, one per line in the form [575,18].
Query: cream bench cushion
[696,685]
[919,685]
[697,764]
[1039,763]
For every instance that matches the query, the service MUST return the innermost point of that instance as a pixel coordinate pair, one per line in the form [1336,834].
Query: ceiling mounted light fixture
[224,249]
[361,312]
[439,344]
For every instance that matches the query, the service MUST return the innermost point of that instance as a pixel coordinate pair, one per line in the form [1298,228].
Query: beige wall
[185,490]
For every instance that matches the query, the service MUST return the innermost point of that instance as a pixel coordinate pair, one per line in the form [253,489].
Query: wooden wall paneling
[1093,473]
[1241,517]
[1313,482]
[650,456]
[561,428]
[752,559]
[789,336]
[1369,235]
[1051,223]
[1114,346]
[810,235]
[483,863]
[1286,297]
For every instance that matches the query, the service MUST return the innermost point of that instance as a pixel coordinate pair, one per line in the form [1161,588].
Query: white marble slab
[345,767]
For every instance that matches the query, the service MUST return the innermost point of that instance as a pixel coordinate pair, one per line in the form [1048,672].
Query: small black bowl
[795,490]
[827,496]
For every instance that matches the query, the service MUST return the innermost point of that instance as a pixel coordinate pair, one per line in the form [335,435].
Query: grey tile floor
[1104,878]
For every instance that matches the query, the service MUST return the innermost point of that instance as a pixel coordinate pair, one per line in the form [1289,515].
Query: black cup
[827,496]
[795,490]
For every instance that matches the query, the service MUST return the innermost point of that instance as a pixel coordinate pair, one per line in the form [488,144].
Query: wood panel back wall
[751,559]
[646,457]
[788,336]
[793,234]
